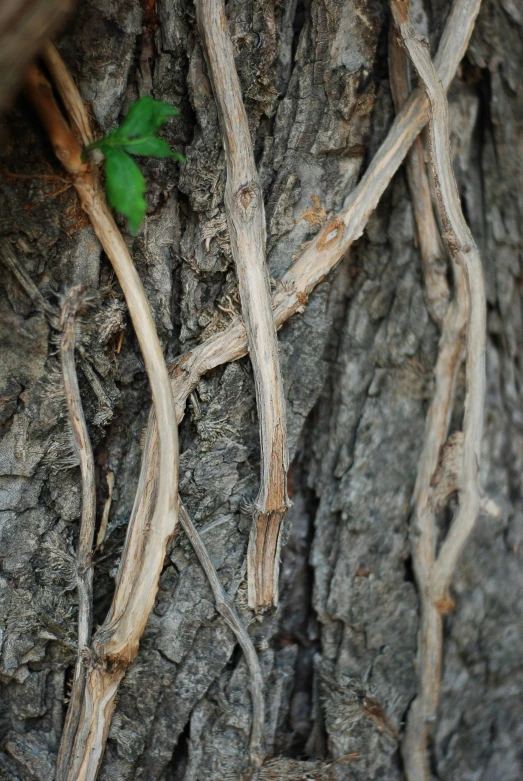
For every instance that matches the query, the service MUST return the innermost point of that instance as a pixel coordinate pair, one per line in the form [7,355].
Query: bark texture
[338,656]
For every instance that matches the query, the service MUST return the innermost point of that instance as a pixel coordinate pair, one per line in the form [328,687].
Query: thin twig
[433,255]
[465,254]
[115,644]
[71,309]
[423,523]
[423,709]
[227,610]
[246,220]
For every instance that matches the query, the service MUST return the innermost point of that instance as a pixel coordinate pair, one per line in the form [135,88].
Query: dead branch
[433,255]
[70,311]
[424,533]
[464,252]
[227,610]
[246,221]
[115,644]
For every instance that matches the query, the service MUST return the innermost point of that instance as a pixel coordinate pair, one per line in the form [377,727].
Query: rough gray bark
[357,369]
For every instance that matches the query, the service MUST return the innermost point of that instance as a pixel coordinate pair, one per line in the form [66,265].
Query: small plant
[136,136]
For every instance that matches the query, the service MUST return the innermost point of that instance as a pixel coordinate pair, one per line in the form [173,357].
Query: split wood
[468,309]
[314,264]
[71,309]
[246,221]
[115,644]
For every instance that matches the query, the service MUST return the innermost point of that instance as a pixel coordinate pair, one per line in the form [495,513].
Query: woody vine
[448,464]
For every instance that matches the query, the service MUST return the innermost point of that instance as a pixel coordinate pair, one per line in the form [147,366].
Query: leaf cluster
[136,136]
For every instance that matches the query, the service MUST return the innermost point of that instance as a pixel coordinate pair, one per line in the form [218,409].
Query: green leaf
[145,117]
[152,146]
[125,186]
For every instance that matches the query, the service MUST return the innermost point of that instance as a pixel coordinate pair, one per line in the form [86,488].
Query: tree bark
[338,656]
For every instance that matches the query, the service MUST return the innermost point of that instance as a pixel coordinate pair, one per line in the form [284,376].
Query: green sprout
[136,136]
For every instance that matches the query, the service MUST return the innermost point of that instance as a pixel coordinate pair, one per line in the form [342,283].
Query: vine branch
[115,644]
[465,254]
[246,221]
[321,256]
[72,306]
[468,300]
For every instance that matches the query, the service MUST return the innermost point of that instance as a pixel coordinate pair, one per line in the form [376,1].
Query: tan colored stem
[423,537]
[433,255]
[246,221]
[115,644]
[463,308]
[465,253]
[70,311]
[68,92]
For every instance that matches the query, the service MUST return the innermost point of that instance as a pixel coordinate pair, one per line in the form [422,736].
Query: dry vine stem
[224,604]
[464,252]
[311,268]
[115,644]
[71,309]
[227,610]
[246,221]
[468,308]
[322,255]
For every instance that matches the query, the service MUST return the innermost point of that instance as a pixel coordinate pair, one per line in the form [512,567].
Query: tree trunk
[357,367]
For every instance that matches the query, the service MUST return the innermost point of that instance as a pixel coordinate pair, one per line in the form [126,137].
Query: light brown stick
[115,644]
[465,253]
[433,255]
[227,610]
[423,709]
[71,309]
[423,523]
[424,533]
[246,221]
